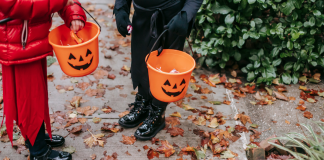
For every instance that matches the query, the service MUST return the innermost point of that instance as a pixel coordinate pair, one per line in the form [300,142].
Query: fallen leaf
[152,153]
[301,102]
[191,117]
[96,120]
[269,91]
[280,95]
[128,153]
[70,149]
[187,107]
[215,102]
[203,97]
[227,102]
[123,95]
[244,118]
[201,121]
[93,156]
[287,122]
[145,147]
[175,131]
[94,140]
[275,81]
[292,98]
[213,123]
[206,91]
[82,120]
[155,140]
[173,121]
[76,129]
[125,68]
[128,140]
[166,148]
[123,114]
[317,76]
[176,114]
[99,74]
[311,100]
[303,88]
[233,73]
[111,76]
[301,107]
[308,115]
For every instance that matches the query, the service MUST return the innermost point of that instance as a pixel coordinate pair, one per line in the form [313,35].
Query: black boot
[52,155]
[154,123]
[137,114]
[56,140]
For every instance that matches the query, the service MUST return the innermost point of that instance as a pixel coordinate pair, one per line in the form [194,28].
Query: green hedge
[278,38]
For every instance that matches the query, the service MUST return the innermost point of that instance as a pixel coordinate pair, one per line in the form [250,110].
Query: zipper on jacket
[24,34]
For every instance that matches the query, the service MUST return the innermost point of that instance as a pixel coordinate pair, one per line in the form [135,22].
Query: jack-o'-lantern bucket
[166,86]
[76,60]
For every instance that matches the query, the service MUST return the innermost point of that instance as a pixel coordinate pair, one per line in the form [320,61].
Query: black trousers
[40,145]
[147,25]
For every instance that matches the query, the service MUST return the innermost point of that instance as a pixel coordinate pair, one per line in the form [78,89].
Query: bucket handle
[89,14]
[162,48]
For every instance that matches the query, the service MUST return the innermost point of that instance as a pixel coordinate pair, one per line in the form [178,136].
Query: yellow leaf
[176,114]
[187,107]
[303,88]
[213,123]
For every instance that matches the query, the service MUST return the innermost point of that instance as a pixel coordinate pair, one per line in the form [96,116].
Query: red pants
[25,98]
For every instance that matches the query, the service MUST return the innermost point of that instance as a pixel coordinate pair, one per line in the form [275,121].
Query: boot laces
[153,115]
[136,106]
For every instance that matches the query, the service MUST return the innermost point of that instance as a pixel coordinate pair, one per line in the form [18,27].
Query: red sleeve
[29,9]
[74,12]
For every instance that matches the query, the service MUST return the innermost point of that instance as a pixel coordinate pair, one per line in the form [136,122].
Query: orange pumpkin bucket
[76,60]
[165,86]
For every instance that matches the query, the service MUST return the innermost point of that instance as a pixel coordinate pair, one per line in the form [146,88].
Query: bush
[278,38]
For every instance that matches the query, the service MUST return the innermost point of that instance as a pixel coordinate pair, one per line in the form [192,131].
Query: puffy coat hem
[8,63]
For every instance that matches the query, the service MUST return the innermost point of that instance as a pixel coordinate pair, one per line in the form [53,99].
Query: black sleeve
[191,7]
[125,4]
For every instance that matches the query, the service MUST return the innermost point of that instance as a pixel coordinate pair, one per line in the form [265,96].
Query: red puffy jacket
[31,24]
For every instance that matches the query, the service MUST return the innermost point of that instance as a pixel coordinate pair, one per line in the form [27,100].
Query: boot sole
[144,138]
[131,125]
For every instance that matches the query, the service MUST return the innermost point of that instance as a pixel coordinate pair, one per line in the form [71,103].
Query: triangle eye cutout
[167,83]
[183,82]
[88,52]
[81,59]
[71,56]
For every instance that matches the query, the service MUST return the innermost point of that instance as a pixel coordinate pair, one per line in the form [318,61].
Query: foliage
[278,38]
[313,146]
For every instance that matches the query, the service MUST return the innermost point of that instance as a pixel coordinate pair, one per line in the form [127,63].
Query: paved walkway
[118,99]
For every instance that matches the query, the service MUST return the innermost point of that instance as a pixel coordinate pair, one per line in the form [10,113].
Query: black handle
[5,20]
[155,44]
[88,14]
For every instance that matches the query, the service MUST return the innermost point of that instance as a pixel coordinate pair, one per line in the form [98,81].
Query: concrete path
[261,115]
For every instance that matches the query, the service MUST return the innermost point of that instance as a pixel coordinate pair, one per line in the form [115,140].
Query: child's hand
[76,25]
[69,3]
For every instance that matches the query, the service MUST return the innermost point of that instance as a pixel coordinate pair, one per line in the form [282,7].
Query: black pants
[144,26]
[40,146]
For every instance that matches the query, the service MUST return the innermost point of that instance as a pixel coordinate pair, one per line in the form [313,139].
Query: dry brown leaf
[82,120]
[166,148]
[213,123]
[99,74]
[94,140]
[308,115]
[244,118]
[123,114]
[173,121]
[301,107]
[201,121]
[93,156]
[227,102]
[203,97]
[128,140]
[233,73]
[280,95]
[176,114]
[175,131]
[287,122]
[317,76]
[191,117]
[152,153]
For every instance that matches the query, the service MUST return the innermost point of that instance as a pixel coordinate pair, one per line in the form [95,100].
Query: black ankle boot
[52,155]
[137,114]
[154,123]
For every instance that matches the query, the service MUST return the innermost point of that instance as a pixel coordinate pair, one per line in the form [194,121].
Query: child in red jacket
[23,49]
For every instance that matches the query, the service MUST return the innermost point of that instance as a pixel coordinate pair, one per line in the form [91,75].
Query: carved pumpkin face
[80,62]
[173,90]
